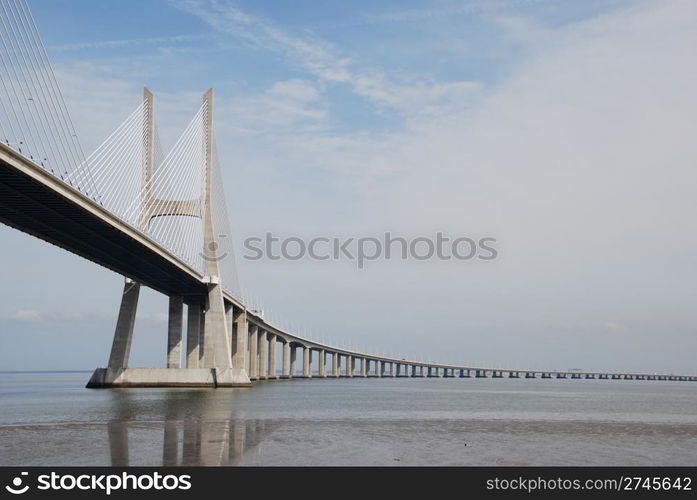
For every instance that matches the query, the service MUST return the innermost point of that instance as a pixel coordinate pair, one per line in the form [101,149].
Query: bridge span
[160,220]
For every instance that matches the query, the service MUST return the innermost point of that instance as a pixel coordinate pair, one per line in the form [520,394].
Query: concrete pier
[240,354]
[174,332]
[307,362]
[336,368]
[167,377]
[285,368]
[193,334]
[253,352]
[263,355]
[123,336]
[350,367]
[322,363]
[272,356]
[293,361]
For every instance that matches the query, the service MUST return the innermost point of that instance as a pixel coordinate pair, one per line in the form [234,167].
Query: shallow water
[51,419]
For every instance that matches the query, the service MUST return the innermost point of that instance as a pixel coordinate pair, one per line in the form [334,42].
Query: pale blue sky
[559,127]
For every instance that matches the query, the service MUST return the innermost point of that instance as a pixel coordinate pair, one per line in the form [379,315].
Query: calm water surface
[51,419]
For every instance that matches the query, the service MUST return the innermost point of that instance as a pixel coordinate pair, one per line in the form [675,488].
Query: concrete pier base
[168,377]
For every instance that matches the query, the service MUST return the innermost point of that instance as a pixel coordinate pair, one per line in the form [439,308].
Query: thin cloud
[134,42]
[410,96]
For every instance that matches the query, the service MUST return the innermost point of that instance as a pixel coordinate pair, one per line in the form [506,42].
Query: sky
[564,129]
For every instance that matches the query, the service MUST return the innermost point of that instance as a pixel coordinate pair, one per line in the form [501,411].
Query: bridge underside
[37,209]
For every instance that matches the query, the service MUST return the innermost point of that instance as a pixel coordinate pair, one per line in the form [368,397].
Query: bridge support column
[253,352]
[240,357]
[123,336]
[272,355]
[216,350]
[337,365]
[364,369]
[193,334]
[263,355]
[230,324]
[285,370]
[322,363]
[174,332]
[349,366]
[293,361]
[307,362]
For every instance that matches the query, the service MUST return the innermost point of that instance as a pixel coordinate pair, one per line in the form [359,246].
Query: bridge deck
[37,203]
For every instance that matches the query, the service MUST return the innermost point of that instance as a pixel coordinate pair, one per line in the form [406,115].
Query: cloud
[411,96]
[446,10]
[35,316]
[287,105]
[158,317]
[27,315]
[615,327]
[579,162]
[133,42]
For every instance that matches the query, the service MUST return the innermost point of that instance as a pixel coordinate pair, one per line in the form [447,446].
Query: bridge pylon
[209,345]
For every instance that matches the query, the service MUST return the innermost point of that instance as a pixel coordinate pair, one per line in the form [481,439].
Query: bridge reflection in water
[193,441]
[198,429]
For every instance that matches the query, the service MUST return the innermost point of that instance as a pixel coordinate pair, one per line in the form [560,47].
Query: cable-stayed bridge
[160,219]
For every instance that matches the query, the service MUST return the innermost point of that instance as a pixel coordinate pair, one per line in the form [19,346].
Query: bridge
[160,220]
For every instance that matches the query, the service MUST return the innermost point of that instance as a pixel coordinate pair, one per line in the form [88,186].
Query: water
[50,419]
